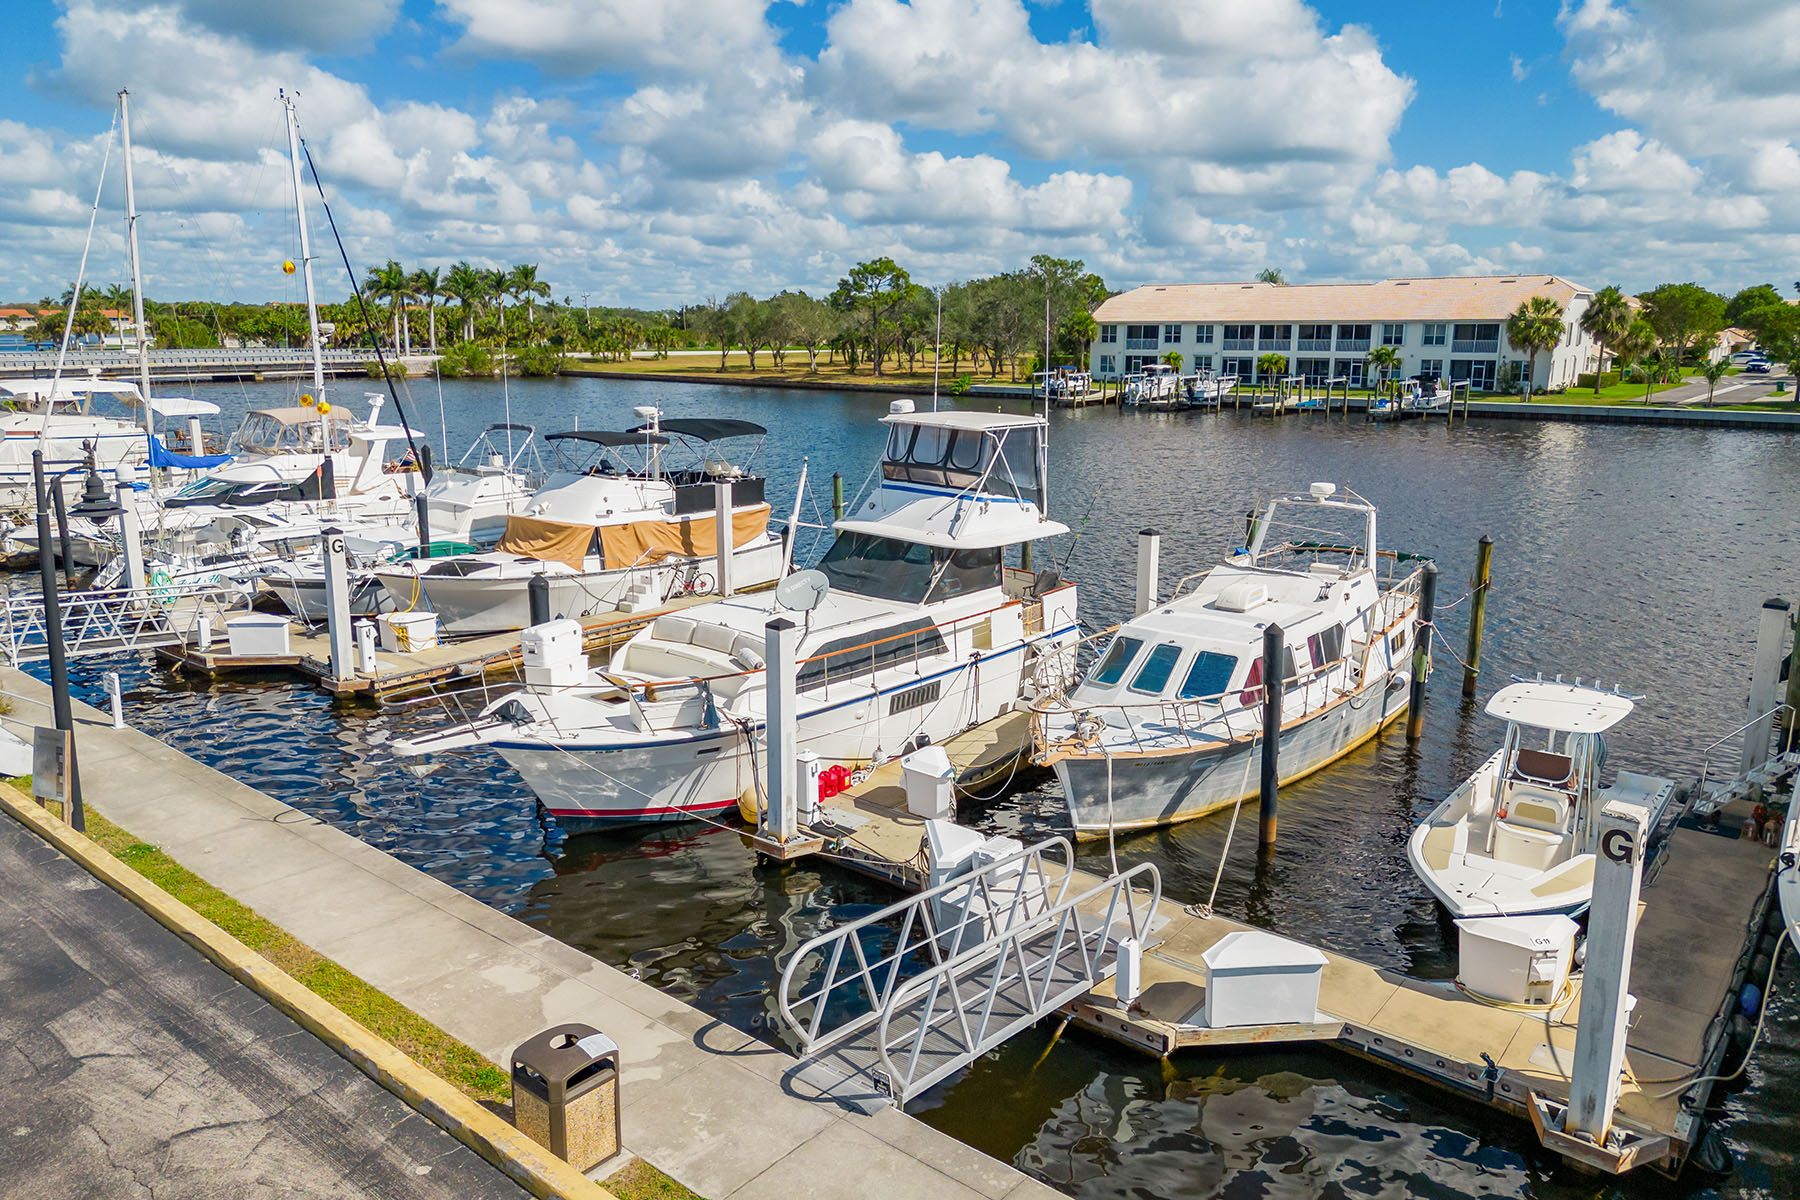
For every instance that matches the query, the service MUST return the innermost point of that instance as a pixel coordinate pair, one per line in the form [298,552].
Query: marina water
[1636,554]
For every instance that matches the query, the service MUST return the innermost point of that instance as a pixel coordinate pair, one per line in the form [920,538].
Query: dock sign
[50,765]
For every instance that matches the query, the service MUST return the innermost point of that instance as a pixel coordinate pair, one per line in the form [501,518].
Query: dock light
[96,504]
[306,400]
[287,268]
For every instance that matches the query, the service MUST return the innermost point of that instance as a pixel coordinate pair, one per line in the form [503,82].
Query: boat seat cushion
[1543,766]
[1536,849]
[714,637]
[673,629]
[1532,807]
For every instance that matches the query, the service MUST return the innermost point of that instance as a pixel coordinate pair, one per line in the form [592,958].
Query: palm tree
[1634,346]
[497,291]
[1536,325]
[1271,364]
[390,283]
[1607,317]
[522,281]
[1385,360]
[464,284]
[427,286]
[1712,371]
[1173,358]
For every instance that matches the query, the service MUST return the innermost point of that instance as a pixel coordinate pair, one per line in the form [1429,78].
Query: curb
[516,1156]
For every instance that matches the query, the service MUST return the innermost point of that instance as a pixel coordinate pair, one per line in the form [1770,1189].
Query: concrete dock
[1704,903]
[722,1112]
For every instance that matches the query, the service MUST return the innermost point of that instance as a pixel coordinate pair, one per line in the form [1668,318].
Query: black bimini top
[708,429]
[602,437]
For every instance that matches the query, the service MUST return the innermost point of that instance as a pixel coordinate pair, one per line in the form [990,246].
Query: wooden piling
[1274,683]
[1790,737]
[1484,562]
[837,496]
[1421,663]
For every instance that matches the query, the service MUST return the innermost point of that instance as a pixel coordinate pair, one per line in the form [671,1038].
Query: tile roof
[1444,298]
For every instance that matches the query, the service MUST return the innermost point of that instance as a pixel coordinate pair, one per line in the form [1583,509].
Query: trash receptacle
[565,1087]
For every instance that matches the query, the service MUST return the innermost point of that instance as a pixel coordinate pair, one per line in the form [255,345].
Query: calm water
[1638,555]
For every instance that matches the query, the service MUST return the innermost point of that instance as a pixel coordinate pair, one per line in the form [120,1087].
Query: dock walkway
[134,1066]
[722,1112]
[1704,904]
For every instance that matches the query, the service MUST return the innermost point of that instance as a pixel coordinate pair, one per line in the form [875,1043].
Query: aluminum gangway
[892,1003]
[110,621]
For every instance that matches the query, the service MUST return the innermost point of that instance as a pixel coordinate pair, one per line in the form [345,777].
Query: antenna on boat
[937,349]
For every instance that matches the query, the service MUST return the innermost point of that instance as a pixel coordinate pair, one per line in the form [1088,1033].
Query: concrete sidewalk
[720,1111]
[131,1066]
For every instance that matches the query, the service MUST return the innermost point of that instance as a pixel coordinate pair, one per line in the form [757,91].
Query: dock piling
[781,637]
[53,639]
[537,598]
[423,508]
[337,605]
[1149,552]
[1612,929]
[1790,725]
[129,535]
[1421,663]
[722,503]
[837,496]
[1765,681]
[1274,684]
[1484,564]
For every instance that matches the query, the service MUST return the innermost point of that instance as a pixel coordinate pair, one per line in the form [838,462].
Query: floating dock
[1705,899]
[465,659]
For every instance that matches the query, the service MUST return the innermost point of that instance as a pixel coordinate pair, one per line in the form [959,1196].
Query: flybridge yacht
[1518,836]
[1167,725]
[613,522]
[914,627]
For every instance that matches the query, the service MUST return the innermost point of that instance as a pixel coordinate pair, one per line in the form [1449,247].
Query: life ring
[161,583]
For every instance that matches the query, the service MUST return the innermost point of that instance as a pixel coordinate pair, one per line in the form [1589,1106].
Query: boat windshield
[912,573]
[959,458]
[263,433]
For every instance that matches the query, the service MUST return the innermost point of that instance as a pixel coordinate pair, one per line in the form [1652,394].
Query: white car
[1744,358]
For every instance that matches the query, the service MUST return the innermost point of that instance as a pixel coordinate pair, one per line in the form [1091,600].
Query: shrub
[539,360]
[1586,380]
[395,367]
[960,384]
[465,358]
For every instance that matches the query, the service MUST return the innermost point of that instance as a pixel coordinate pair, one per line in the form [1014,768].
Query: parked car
[1757,366]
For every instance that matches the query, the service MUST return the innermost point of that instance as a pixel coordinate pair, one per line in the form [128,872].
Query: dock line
[517,1156]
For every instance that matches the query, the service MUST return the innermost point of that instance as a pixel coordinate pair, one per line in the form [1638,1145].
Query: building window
[1203,335]
[1475,339]
[1142,337]
[1240,337]
[1241,368]
[1479,374]
[1274,337]
[1110,333]
[1434,335]
[1316,370]
[1350,369]
[1431,368]
[1353,337]
[1314,337]
[1202,362]
[1172,334]
[1393,335]
[1109,364]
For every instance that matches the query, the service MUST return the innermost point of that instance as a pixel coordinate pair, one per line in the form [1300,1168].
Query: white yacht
[67,422]
[1167,725]
[1154,385]
[1787,872]
[603,528]
[1517,837]
[921,631]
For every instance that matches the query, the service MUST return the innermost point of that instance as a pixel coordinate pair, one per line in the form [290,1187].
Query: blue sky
[656,154]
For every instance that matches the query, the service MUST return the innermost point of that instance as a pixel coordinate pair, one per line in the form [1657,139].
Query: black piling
[537,595]
[1421,663]
[1274,683]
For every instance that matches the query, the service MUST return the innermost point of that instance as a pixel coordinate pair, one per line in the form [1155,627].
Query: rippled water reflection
[1638,554]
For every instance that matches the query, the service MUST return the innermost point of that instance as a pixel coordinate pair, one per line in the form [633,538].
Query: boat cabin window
[860,654]
[1153,676]
[1118,657]
[907,571]
[959,458]
[1208,676]
[1252,693]
[262,433]
[1326,646]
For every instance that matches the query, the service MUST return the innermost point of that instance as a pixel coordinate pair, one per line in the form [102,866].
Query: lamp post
[59,668]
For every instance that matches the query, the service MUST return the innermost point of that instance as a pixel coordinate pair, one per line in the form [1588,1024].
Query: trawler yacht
[602,528]
[1167,724]
[1517,837]
[920,630]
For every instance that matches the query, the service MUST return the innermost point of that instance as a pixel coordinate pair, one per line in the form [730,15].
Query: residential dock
[1704,904]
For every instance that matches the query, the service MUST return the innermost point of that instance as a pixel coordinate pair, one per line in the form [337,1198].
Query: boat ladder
[890,1004]
[106,622]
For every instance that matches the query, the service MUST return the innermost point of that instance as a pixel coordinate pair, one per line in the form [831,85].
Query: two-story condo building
[1450,327]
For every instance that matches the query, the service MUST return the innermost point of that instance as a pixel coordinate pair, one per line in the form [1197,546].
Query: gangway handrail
[1011,958]
[1025,868]
[114,619]
[1706,755]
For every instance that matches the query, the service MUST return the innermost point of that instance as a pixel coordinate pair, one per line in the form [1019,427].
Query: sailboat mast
[137,274]
[312,304]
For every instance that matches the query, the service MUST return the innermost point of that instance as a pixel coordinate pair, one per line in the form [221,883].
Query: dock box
[405,632]
[1521,960]
[930,784]
[552,654]
[257,635]
[1256,978]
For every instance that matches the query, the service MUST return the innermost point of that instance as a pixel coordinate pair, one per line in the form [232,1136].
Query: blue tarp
[162,456]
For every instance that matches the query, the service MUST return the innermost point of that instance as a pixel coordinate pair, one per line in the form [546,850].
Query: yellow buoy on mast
[287,268]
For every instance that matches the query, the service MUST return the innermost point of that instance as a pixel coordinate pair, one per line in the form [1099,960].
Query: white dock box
[930,784]
[552,656]
[257,635]
[1255,978]
[1521,960]
[405,632]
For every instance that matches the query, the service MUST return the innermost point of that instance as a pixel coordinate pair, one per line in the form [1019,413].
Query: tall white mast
[312,304]
[137,275]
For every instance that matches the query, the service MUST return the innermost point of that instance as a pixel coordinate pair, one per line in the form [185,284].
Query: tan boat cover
[690,537]
[546,541]
[628,544]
